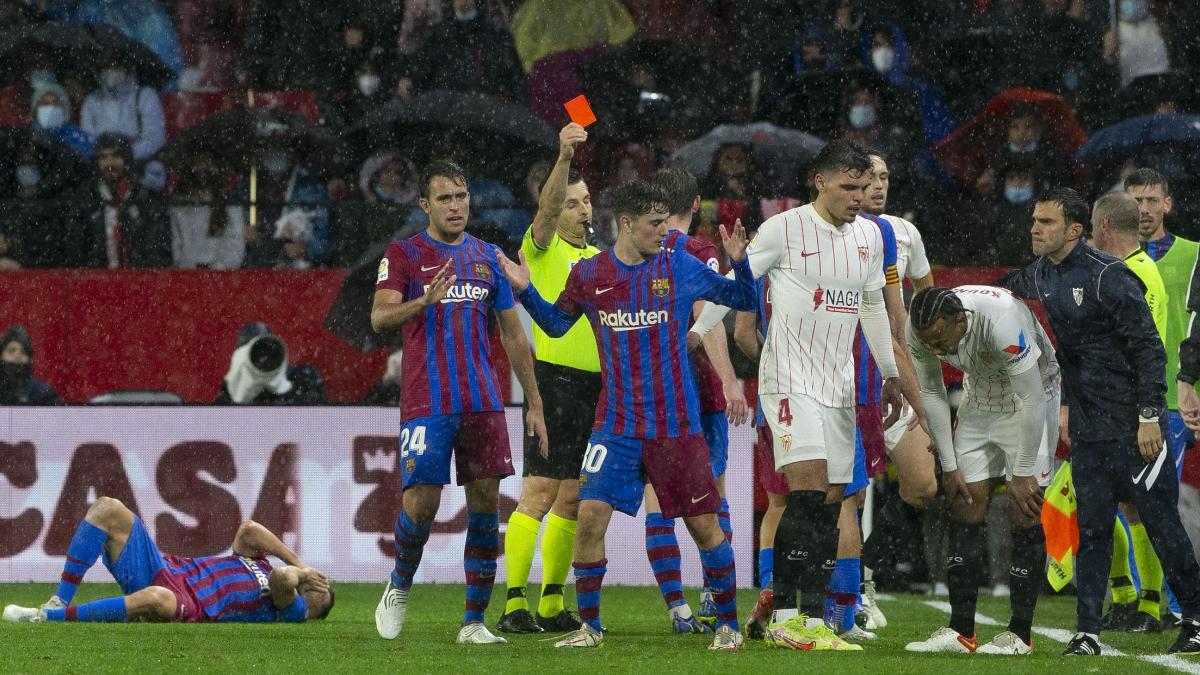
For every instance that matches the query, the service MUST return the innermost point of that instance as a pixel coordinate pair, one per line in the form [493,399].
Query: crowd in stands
[978,105]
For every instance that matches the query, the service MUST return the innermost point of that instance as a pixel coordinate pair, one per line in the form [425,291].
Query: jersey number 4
[785,413]
[412,441]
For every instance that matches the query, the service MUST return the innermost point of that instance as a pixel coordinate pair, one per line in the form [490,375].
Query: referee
[1113,368]
[568,375]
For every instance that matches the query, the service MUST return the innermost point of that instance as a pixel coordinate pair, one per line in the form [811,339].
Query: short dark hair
[876,152]
[573,177]
[681,188]
[117,143]
[841,155]
[1074,206]
[440,167]
[328,608]
[637,198]
[1147,177]
[931,304]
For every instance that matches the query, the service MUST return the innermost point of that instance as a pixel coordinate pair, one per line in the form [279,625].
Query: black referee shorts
[569,396]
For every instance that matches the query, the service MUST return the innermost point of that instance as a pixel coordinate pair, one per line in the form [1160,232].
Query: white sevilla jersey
[1003,339]
[911,261]
[818,273]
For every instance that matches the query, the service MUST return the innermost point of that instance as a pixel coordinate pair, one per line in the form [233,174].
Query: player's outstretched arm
[553,319]
[390,311]
[255,541]
[516,345]
[554,194]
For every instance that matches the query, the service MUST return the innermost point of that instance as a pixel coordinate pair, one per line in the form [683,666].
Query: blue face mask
[1134,10]
[862,116]
[28,175]
[1017,194]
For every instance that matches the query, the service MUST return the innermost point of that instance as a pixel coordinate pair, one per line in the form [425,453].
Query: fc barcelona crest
[1077,293]
[864,253]
[482,271]
[660,287]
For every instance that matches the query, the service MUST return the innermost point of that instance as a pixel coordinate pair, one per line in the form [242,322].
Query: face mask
[862,116]
[154,176]
[1017,195]
[1032,147]
[883,58]
[469,16]
[16,372]
[386,195]
[1134,10]
[112,78]
[51,116]
[368,84]
[41,76]
[275,162]
[28,175]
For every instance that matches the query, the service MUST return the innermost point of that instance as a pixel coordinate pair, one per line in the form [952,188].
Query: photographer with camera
[259,373]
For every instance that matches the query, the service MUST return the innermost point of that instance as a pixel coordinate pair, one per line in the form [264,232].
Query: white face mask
[468,16]
[275,162]
[28,175]
[862,116]
[1032,147]
[1134,10]
[368,84]
[112,78]
[883,58]
[51,116]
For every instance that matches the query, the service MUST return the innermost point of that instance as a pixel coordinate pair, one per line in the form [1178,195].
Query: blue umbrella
[1125,138]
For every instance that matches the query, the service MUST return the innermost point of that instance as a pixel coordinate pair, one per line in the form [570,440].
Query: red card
[580,111]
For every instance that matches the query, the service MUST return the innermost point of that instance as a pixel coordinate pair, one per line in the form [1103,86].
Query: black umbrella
[73,49]
[349,317]
[472,125]
[234,138]
[61,167]
[783,150]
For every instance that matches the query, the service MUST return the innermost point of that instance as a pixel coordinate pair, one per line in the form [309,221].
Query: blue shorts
[139,563]
[860,479]
[716,435]
[478,442]
[616,469]
[1180,439]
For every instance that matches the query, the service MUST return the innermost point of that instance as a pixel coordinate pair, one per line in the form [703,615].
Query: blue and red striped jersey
[640,318]
[868,383]
[233,588]
[447,366]
[708,383]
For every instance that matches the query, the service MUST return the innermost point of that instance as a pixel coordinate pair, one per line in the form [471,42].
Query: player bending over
[1007,428]
[243,587]
[639,297]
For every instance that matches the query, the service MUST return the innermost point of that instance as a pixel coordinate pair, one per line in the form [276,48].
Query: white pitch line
[1064,636]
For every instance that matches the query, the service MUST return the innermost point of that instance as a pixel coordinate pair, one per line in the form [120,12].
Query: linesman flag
[1061,524]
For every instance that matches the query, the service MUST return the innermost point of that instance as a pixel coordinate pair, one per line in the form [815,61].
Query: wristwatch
[1148,413]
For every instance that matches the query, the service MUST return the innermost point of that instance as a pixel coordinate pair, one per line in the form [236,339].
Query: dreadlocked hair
[933,303]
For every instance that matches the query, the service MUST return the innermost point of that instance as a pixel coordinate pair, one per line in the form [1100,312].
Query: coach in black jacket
[1113,370]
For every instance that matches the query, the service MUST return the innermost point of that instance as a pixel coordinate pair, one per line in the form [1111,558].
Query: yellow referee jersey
[1156,292]
[548,270]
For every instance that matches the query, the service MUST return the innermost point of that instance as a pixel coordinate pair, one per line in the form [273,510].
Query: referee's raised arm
[552,199]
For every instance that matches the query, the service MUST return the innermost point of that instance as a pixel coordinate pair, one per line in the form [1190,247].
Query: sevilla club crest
[1077,293]
[660,287]
[864,253]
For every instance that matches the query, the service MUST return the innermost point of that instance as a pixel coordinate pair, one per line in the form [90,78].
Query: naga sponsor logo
[621,320]
[463,293]
[836,300]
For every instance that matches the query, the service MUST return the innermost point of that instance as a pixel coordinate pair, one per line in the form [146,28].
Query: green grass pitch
[638,641]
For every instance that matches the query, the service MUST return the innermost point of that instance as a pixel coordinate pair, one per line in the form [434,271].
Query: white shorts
[986,444]
[893,434]
[804,430]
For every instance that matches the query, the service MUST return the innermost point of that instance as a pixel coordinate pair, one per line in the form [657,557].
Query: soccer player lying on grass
[243,587]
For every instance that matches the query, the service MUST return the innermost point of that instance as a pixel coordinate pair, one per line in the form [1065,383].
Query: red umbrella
[966,152]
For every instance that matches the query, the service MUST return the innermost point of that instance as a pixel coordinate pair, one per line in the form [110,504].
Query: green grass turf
[638,641]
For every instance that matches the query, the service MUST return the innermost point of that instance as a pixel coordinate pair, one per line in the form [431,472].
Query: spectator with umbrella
[292,229]
[50,112]
[121,105]
[378,211]
[44,230]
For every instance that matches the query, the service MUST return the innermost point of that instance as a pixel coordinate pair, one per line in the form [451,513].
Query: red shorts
[870,428]
[764,462]
[187,608]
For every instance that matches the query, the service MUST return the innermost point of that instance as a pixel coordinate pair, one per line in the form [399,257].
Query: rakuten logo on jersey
[621,320]
[463,293]
[836,300]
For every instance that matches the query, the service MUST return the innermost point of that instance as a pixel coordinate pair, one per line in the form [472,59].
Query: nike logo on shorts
[602,291]
[697,500]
